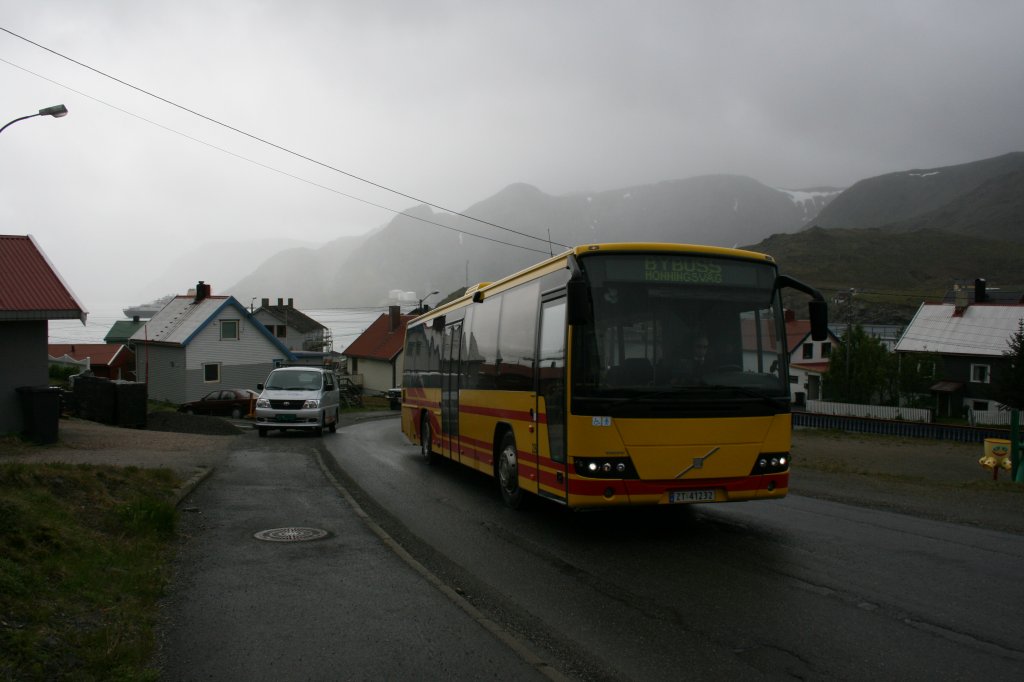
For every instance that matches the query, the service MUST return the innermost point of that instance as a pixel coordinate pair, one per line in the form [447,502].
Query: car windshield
[679,334]
[294,380]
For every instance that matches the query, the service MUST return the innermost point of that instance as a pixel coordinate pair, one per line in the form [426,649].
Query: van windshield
[294,380]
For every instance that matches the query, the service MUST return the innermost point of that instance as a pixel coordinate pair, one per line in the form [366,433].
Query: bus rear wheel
[426,439]
[508,472]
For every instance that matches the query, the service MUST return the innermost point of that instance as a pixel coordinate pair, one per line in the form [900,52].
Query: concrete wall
[378,376]
[162,369]
[23,362]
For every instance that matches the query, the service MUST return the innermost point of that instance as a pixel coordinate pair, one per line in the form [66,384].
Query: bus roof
[554,262]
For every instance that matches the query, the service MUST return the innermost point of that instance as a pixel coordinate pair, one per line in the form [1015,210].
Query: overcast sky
[451,101]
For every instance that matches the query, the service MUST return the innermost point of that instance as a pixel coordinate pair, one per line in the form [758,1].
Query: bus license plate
[686,496]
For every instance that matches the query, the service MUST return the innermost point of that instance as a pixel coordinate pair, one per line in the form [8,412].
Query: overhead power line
[277,146]
[268,167]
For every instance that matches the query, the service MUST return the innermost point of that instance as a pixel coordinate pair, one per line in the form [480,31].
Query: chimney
[280,301]
[265,302]
[202,291]
[291,302]
[979,291]
[395,315]
[960,300]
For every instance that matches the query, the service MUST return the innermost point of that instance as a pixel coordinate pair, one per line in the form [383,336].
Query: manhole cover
[290,534]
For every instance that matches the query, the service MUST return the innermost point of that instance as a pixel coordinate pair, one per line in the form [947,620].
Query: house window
[280,331]
[792,378]
[808,351]
[980,406]
[980,374]
[211,373]
[229,330]
[826,349]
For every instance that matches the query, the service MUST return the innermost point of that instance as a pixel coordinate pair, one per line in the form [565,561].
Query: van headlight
[262,402]
[311,404]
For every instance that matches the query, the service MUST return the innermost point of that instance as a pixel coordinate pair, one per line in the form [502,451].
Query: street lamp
[419,308]
[57,111]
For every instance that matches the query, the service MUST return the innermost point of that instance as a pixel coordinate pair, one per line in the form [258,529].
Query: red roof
[30,287]
[380,341]
[796,332]
[99,353]
[818,367]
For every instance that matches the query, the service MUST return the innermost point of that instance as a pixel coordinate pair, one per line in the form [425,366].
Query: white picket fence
[910,414]
[988,417]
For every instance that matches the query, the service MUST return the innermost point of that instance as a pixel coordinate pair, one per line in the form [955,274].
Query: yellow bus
[613,374]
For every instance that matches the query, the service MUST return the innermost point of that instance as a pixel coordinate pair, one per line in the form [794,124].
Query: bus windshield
[679,335]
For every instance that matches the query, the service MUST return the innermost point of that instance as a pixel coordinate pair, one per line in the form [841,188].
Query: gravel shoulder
[931,479]
[186,444]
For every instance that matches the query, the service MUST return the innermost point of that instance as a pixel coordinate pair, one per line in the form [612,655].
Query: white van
[298,398]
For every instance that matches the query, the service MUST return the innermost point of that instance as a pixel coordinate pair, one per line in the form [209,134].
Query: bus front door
[549,444]
[450,356]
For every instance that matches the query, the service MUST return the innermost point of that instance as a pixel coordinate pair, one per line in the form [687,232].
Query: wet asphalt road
[345,607]
[799,588]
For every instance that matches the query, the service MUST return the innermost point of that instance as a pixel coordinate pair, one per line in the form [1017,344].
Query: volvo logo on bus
[698,462]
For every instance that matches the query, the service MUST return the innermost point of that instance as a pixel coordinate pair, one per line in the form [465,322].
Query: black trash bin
[40,409]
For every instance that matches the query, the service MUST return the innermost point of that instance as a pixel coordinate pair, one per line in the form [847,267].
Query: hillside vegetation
[895,271]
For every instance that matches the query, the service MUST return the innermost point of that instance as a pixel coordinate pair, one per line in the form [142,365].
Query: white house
[201,342]
[808,359]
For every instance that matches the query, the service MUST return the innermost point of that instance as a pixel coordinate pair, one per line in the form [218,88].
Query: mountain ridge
[422,250]
[917,231]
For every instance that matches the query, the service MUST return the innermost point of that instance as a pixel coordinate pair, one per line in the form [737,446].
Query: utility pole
[849,341]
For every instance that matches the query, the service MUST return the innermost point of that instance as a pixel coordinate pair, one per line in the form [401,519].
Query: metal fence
[891,427]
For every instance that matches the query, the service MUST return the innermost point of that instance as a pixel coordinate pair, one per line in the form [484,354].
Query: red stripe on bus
[497,413]
[578,486]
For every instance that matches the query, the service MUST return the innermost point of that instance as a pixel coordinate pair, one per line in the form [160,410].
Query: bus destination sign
[682,270]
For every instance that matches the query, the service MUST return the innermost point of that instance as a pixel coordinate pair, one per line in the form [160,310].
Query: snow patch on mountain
[811,201]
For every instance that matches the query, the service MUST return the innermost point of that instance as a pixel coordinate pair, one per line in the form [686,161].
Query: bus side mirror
[577,302]
[817,310]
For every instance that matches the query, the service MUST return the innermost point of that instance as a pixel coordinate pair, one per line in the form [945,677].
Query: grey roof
[979,329]
[179,320]
[182,318]
[296,319]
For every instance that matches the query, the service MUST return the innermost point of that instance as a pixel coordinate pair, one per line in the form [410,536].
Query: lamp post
[57,111]
[419,308]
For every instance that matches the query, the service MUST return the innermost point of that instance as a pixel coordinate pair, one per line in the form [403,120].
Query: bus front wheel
[508,472]
[426,439]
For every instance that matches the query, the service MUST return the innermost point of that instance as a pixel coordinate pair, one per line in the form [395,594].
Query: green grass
[84,559]
[161,406]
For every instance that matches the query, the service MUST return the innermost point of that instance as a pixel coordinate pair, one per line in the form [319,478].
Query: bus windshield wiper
[747,392]
[690,392]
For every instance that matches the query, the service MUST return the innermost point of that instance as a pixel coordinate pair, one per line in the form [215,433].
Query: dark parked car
[234,402]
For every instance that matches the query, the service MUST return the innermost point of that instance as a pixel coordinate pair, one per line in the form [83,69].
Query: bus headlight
[605,467]
[771,463]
